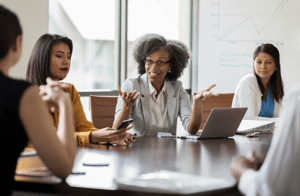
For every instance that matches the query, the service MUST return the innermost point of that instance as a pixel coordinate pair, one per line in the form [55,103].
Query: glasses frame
[155,62]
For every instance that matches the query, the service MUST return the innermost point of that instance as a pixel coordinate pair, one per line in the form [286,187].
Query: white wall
[230,31]
[33,15]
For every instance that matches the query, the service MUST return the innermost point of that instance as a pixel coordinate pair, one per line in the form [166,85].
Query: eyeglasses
[158,63]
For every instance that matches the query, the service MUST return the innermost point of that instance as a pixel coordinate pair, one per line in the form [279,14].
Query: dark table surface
[209,158]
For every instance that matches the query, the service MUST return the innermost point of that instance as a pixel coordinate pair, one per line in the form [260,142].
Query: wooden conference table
[210,157]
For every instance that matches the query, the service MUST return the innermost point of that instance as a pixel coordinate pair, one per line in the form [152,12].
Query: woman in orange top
[51,57]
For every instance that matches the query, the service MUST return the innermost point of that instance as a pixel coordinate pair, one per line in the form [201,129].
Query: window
[91,26]
[165,17]
[103,31]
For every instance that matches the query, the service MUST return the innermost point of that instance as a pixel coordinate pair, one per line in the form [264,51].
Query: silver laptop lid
[223,122]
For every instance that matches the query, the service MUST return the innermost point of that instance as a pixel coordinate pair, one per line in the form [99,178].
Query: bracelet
[90,138]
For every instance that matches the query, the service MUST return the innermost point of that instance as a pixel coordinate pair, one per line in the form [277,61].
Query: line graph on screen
[252,21]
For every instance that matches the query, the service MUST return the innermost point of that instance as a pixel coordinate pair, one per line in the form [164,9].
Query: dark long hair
[275,83]
[39,62]
[10,29]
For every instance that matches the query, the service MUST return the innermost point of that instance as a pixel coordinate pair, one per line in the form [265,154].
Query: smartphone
[124,124]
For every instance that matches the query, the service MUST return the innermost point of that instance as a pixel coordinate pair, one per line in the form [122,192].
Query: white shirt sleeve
[248,182]
[245,96]
[280,172]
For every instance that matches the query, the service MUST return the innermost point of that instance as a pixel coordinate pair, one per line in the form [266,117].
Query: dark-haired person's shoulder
[132,81]
[247,81]
[14,86]
[131,84]
[177,85]
[249,77]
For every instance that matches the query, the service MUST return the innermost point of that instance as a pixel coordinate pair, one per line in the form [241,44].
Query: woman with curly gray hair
[161,97]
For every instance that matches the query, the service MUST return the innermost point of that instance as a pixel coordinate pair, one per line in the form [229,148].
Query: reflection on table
[210,157]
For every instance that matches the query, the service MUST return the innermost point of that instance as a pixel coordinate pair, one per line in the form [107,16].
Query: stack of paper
[247,126]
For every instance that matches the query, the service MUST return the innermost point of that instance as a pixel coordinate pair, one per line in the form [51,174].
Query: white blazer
[247,94]
[178,104]
[280,172]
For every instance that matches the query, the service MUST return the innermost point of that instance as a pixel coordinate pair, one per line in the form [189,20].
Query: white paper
[173,182]
[255,125]
[165,135]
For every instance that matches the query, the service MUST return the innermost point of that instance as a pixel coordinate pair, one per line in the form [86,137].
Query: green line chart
[247,21]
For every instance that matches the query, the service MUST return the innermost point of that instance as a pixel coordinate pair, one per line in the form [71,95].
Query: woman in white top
[262,91]
[161,98]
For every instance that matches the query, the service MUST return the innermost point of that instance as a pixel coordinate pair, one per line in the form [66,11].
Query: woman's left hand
[205,94]
[128,139]
[240,164]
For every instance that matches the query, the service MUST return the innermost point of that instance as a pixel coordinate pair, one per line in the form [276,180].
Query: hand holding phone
[124,124]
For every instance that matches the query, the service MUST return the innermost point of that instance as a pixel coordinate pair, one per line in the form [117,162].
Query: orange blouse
[83,126]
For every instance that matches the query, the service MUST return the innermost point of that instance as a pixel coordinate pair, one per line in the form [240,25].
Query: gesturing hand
[129,98]
[52,93]
[205,94]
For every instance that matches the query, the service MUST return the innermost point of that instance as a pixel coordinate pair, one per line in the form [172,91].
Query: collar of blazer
[145,99]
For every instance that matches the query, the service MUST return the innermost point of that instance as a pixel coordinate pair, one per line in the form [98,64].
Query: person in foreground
[51,57]
[161,98]
[24,115]
[280,172]
[262,91]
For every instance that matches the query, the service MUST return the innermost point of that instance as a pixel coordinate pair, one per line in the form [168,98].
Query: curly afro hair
[178,52]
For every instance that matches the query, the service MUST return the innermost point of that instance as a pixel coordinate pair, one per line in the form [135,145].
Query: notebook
[221,123]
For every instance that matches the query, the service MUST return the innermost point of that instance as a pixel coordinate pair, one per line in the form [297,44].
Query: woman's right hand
[108,134]
[52,93]
[129,98]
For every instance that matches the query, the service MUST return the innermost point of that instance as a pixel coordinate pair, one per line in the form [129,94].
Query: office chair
[103,110]
[224,100]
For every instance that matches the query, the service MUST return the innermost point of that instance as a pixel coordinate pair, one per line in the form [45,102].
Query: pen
[184,137]
[78,173]
[96,165]
[166,136]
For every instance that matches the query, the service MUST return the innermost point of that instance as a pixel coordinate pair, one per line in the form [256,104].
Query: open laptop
[221,122]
